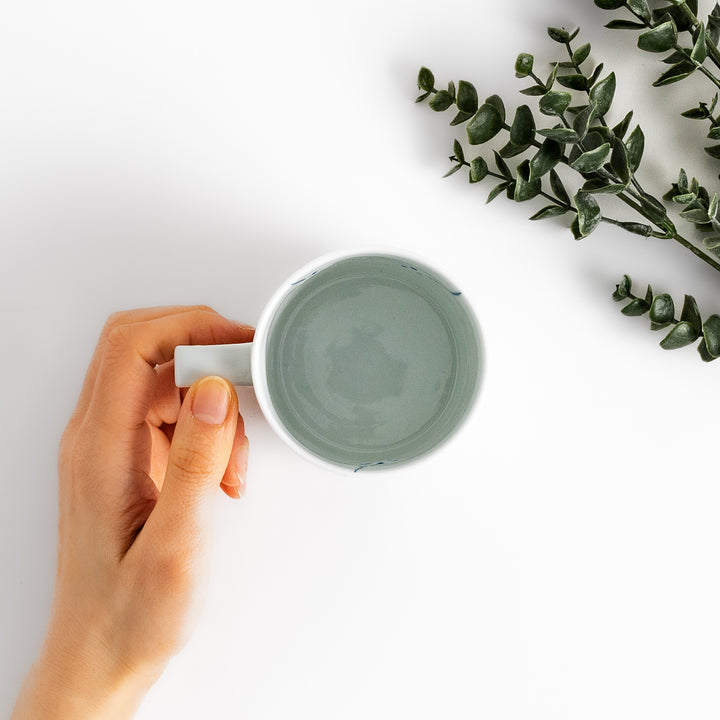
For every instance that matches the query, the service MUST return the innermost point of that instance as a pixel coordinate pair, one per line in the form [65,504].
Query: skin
[139,467]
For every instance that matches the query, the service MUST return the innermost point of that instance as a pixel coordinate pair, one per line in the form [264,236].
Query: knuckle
[119,337]
[114,319]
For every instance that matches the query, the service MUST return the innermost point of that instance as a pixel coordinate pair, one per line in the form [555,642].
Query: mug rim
[258,354]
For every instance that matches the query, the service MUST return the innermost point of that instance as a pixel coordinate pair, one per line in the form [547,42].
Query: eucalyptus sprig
[692,43]
[576,98]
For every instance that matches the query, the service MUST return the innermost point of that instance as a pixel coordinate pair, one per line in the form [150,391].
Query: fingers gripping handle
[231,362]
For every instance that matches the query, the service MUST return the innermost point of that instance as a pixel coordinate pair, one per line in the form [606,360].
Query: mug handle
[231,362]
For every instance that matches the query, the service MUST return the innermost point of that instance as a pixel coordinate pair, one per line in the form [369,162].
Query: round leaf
[559,35]
[440,101]
[681,335]
[711,331]
[526,189]
[523,65]
[467,97]
[660,39]
[581,54]
[593,160]
[522,131]
[546,158]
[485,124]
[426,80]
[478,170]
[555,103]
[636,307]
[662,311]
[589,213]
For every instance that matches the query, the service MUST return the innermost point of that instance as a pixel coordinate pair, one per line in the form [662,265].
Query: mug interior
[371,361]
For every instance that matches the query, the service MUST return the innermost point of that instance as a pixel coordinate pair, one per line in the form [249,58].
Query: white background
[559,559]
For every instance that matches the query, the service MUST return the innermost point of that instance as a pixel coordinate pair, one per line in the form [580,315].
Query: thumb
[199,454]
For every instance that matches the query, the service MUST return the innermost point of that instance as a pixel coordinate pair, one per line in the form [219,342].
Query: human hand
[139,467]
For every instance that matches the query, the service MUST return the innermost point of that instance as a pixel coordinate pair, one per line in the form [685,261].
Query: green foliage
[683,331]
[569,134]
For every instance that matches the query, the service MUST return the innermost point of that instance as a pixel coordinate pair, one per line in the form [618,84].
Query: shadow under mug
[362,360]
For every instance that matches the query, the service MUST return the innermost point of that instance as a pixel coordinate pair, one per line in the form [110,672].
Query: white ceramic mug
[362,360]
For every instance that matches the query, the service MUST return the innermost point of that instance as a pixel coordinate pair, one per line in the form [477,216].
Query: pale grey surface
[558,559]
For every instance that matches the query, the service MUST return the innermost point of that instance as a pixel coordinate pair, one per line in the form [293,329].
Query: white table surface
[559,558]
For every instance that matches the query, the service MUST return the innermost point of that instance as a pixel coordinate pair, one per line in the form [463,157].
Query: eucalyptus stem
[604,159]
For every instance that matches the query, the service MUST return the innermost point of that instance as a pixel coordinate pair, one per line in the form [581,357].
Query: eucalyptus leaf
[550,211]
[602,94]
[452,171]
[610,4]
[498,104]
[640,8]
[502,166]
[713,151]
[713,25]
[676,73]
[599,186]
[714,133]
[700,49]
[622,290]
[622,127]
[711,334]
[467,97]
[559,35]
[522,131]
[534,91]
[691,314]
[426,80]
[625,25]
[592,160]
[660,39]
[524,65]
[460,118]
[485,124]
[551,77]
[635,146]
[558,188]
[681,335]
[698,113]
[510,149]
[581,123]
[442,100]
[546,158]
[525,188]
[589,213]
[619,162]
[662,311]
[459,154]
[478,170]
[581,54]
[574,82]
[636,228]
[496,191]
[561,134]
[555,102]
[636,307]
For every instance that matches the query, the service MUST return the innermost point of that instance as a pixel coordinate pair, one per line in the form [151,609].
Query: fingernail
[234,491]
[211,400]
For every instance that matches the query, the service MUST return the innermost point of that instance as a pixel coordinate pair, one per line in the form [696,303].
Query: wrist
[76,676]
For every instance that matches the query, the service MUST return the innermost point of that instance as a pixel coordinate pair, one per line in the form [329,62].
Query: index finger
[126,375]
